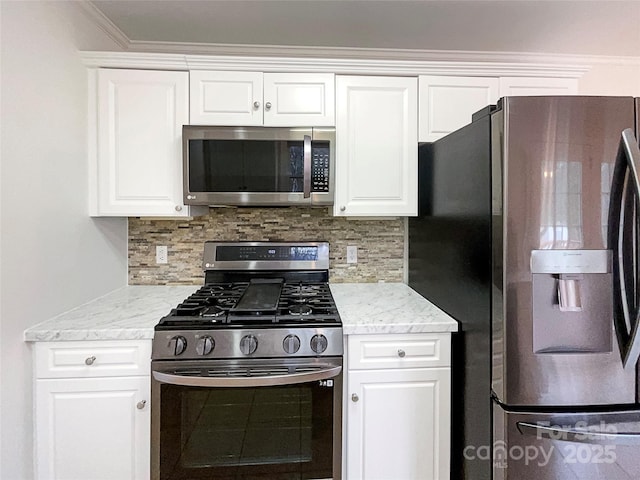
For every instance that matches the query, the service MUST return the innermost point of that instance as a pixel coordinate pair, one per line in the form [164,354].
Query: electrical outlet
[161,254]
[352,254]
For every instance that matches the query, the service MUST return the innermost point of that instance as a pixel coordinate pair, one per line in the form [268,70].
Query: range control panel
[244,343]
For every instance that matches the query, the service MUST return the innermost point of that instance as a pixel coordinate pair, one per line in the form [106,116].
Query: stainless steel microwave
[259,166]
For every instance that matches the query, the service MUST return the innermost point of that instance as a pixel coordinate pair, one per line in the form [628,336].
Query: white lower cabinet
[398,407]
[92,421]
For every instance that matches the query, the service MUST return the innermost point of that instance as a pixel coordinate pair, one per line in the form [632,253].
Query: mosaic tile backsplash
[380,242]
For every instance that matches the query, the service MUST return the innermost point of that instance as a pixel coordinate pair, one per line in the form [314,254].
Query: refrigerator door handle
[578,436]
[622,232]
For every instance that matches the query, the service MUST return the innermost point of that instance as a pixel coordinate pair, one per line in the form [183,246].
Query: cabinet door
[376,146]
[398,424]
[447,103]
[93,428]
[139,156]
[225,98]
[524,86]
[299,99]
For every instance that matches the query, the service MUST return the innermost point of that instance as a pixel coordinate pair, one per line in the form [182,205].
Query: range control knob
[248,344]
[178,344]
[291,344]
[319,343]
[205,345]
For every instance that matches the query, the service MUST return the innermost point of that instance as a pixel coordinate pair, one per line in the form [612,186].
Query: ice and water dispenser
[572,301]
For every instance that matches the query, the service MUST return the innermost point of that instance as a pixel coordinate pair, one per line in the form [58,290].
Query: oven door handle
[258,381]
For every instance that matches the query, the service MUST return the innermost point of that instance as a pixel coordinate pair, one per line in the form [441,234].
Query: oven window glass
[248,165]
[246,433]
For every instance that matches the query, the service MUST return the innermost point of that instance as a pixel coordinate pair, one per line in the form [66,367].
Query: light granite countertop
[131,312]
[387,308]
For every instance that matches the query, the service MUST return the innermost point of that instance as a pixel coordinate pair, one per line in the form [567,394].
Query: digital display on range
[284,253]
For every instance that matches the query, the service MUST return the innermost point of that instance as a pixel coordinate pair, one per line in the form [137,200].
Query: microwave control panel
[320,169]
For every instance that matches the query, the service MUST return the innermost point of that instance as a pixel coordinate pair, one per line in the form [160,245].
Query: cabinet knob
[178,208]
[90,360]
[401,353]
[267,106]
[343,208]
[354,397]
[141,404]
[256,105]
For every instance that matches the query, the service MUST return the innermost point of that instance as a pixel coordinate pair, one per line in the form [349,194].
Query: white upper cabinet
[447,103]
[525,86]
[269,99]
[376,146]
[300,99]
[225,98]
[138,136]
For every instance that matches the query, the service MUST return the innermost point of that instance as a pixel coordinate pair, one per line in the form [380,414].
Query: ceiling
[583,27]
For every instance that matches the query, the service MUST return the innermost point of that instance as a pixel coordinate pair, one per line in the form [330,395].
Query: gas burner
[218,288]
[214,311]
[300,310]
[226,303]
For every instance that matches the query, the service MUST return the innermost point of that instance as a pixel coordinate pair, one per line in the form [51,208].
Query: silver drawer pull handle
[354,397]
[141,404]
[401,353]
[90,360]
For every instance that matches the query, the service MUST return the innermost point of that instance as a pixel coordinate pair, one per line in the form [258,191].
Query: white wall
[53,257]
[611,79]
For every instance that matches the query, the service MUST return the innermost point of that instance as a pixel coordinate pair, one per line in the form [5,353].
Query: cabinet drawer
[93,359]
[398,351]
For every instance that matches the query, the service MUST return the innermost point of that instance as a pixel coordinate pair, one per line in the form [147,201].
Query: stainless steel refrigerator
[528,236]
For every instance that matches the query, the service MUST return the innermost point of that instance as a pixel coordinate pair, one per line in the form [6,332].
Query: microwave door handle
[307,166]
[625,192]
[243,381]
[579,436]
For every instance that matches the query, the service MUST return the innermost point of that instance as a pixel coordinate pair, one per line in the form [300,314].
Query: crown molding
[417,55]
[343,60]
[343,53]
[144,61]
[343,66]
[103,23]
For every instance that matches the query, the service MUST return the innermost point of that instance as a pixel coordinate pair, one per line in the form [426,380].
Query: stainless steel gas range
[247,371]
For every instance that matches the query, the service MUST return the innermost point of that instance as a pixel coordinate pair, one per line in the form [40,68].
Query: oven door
[246,419]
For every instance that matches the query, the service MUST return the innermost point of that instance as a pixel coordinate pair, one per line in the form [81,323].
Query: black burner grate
[215,305]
